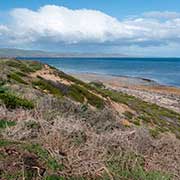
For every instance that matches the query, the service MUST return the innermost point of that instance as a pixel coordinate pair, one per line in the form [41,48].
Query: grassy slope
[17,75]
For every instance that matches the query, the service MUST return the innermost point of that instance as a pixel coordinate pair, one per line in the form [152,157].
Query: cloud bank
[54,26]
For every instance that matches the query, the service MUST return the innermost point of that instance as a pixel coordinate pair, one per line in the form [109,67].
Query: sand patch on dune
[48,74]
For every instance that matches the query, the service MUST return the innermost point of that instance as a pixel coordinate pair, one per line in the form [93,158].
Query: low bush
[44,155]
[5,123]
[45,85]
[80,93]
[11,101]
[17,78]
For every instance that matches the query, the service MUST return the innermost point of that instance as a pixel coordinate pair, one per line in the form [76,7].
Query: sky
[130,27]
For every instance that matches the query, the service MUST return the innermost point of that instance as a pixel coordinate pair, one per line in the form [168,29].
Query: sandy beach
[148,90]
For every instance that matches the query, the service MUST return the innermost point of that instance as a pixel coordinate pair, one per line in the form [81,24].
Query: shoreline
[145,89]
[128,80]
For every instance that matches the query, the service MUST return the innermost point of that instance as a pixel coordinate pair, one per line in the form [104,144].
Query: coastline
[146,89]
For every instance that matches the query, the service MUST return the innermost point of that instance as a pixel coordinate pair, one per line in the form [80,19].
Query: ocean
[165,71]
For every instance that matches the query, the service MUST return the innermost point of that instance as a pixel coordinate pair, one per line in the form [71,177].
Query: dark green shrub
[19,65]
[79,93]
[44,155]
[12,101]
[32,125]
[45,85]
[76,94]
[3,89]
[34,65]
[54,177]
[97,84]
[128,114]
[5,142]
[5,123]
[17,78]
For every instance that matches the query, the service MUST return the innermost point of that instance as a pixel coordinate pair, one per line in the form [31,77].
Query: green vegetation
[17,78]
[120,168]
[34,65]
[5,123]
[77,135]
[3,89]
[79,93]
[97,84]
[32,125]
[12,176]
[12,101]
[44,155]
[128,114]
[74,91]
[24,66]
[146,113]
[46,85]
[5,142]
[54,177]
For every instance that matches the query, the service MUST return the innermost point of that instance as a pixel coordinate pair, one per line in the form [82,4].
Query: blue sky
[135,27]
[117,8]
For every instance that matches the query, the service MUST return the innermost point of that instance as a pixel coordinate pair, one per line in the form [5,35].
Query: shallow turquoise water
[163,70]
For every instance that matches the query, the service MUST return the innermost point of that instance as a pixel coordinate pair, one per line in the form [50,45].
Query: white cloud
[55,25]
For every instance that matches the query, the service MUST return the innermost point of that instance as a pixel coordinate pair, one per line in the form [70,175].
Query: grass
[44,155]
[45,85]
[97,84]
[5,142]
[130,166]
[128,114]
[16,77]
[80,93]
[55,177]
[12,101]
[147,113]
[5,123]
[75,91]
[24,66]
[32,125]
[12,175]
[34,65]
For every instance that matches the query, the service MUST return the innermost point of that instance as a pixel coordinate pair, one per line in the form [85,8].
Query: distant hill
[8,52]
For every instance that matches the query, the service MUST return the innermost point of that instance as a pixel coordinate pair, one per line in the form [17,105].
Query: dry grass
[73,140]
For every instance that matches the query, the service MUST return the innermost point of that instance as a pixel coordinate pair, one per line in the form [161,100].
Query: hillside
[9,53]
[56,127]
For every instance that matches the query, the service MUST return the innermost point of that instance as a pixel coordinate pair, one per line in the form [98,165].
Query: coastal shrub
[130,166]
[32,125]
[34,65]
[150,114]
[128,114]
[97,84]
[17,78]
[12,101]
[3,89]
[19,65]
[5,123]
[45,85]
[76,93]
[25,66]
[5,142]
[44,155]
[79,93]
[54,177]
[12,175]
[21,74]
